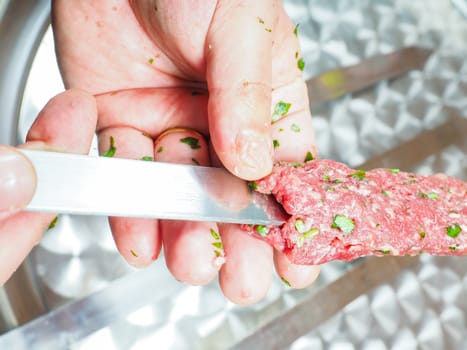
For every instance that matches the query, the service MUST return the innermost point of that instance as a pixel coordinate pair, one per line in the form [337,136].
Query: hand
[66,124]
[214,68]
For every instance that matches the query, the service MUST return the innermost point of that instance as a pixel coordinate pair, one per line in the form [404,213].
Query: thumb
[239,69]
[17,180]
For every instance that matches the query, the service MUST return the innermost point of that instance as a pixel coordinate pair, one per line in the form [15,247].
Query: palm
[144,62]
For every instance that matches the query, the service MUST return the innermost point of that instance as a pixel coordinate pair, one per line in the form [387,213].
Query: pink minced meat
[338,213]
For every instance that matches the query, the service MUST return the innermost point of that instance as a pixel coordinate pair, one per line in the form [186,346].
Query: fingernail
[254,155]
[17,180]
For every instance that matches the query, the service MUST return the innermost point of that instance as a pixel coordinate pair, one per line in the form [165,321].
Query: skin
[65,124]
[217,68]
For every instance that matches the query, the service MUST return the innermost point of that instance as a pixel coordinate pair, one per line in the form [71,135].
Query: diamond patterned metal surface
[423,308]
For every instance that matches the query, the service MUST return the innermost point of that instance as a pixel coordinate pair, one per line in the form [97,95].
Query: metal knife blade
[338,82]
[84,185]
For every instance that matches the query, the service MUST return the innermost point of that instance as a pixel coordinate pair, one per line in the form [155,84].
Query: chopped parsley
[193,142]
[383,251]
[394,171]
[217,253]
[151,60]
[295,30]
[112,149]
[307,235]
[453,230]
[384,193]
[343,223]
[252,185]
[360,174]
[296,164]
[218,245]
[214,234]
[432,195]
[287,283]
[160,149]
[269,30]
[262,230]
[308,157]
[295,128]
[326,178]
[147,158]
[53,223]
[422,234]
[301,63]
[280,109]
[275,143]
[195,161]
[453,247]
[133,253]
[146,135]
[260,20]
[300,226]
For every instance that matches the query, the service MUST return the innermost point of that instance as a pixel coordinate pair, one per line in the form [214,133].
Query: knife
[338,82]
[86,185]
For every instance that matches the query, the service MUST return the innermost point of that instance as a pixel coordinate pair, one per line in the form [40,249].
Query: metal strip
[338,82]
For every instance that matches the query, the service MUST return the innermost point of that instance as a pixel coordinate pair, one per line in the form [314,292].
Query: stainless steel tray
[424,307]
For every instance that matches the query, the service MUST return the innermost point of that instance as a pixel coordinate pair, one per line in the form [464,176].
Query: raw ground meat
[338,213]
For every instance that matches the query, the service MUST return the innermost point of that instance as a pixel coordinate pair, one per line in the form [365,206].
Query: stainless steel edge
[17,50]
[338,82]
[86,185]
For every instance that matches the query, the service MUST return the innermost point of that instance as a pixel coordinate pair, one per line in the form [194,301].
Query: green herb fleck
[307,235]
[160,149]
[53,223]
[193,142]
[275,143]
[214,234]
[252,185]
[195,161]
[300,226]
[394,171]
[262,230]
[343,223]
[453,230]
[112,149]
[296,54]
[308,157]
[295,128]
[151,60]
[453,247]
[281,129]
[145,134]
[260,20]
[383,251]
[385,193]
[296,164]
[295,30]
[217,253]
[360,174]
[326,178]
[218,245]
[280,109]
[148,158]
[133,253]
[269,30]
[422,234]
[329,188]
[301,64]
[287,283]
[433,195]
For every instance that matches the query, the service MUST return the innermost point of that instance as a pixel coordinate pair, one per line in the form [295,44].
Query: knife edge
[85,185]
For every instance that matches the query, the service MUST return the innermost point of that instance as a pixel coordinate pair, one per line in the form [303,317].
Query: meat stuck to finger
[338,213]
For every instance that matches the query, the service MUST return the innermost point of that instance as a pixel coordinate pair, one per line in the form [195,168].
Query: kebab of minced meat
[338,213]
